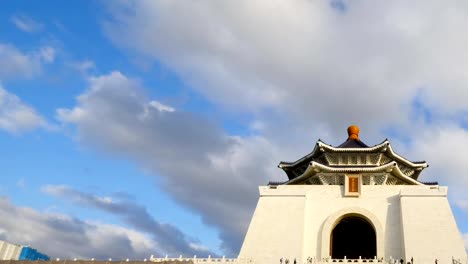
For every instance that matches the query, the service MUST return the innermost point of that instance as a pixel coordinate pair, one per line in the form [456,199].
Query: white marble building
[353,201]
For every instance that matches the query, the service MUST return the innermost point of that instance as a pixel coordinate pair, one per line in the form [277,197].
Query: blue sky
[151,123]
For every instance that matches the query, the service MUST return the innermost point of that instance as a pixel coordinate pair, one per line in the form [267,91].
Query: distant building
[28,253]
[350,202]
[10,251]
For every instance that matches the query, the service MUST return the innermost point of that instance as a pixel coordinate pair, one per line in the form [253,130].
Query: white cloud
[323,66]
[156,105]
[442,146]
[47,54]
[139,242]
[14,63]
[168,238]
[319,69]
[196,160]
[16,116]
[199,247]
[257,125]
[463,204]
[69,237]
[83,66]
[26,23]
[161,107]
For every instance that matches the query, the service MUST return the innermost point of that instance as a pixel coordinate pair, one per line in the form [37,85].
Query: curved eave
[397,172]
[324,147]
[391,153]
[385,146]
[321,146]
[391,167]
[285,165]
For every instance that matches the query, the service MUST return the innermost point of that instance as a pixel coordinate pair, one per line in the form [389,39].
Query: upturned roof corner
[354,156]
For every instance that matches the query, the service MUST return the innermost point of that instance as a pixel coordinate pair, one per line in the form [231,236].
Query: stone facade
[295,221]
[353,200]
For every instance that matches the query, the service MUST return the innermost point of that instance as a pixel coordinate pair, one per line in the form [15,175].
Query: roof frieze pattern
[373,156]
[367,179]
[346,159]
[391,167]
[385,146]
[379,147]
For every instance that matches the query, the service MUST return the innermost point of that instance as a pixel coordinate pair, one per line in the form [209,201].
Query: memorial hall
[353,203]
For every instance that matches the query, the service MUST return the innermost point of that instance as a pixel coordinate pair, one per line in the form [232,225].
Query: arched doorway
[353,237]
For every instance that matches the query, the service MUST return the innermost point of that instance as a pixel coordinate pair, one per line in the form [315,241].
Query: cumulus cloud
[200,166]
[26,24]
[16,116]
[318,66]
[68,237]
[168,238]
[15,63]
[442,146]
[362,62]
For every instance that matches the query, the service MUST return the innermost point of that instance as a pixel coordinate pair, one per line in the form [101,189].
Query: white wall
[276,229]
[9,251]
[295,221]
[429,228]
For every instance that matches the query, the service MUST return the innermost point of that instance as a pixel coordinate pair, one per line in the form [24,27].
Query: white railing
[355,261]
[359,260]
[374,260]
[314,260]
[208,260]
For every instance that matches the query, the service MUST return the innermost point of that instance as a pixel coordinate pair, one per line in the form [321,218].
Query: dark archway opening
[353,237]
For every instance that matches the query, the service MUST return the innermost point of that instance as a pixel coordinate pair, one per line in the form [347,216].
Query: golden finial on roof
[353,132]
